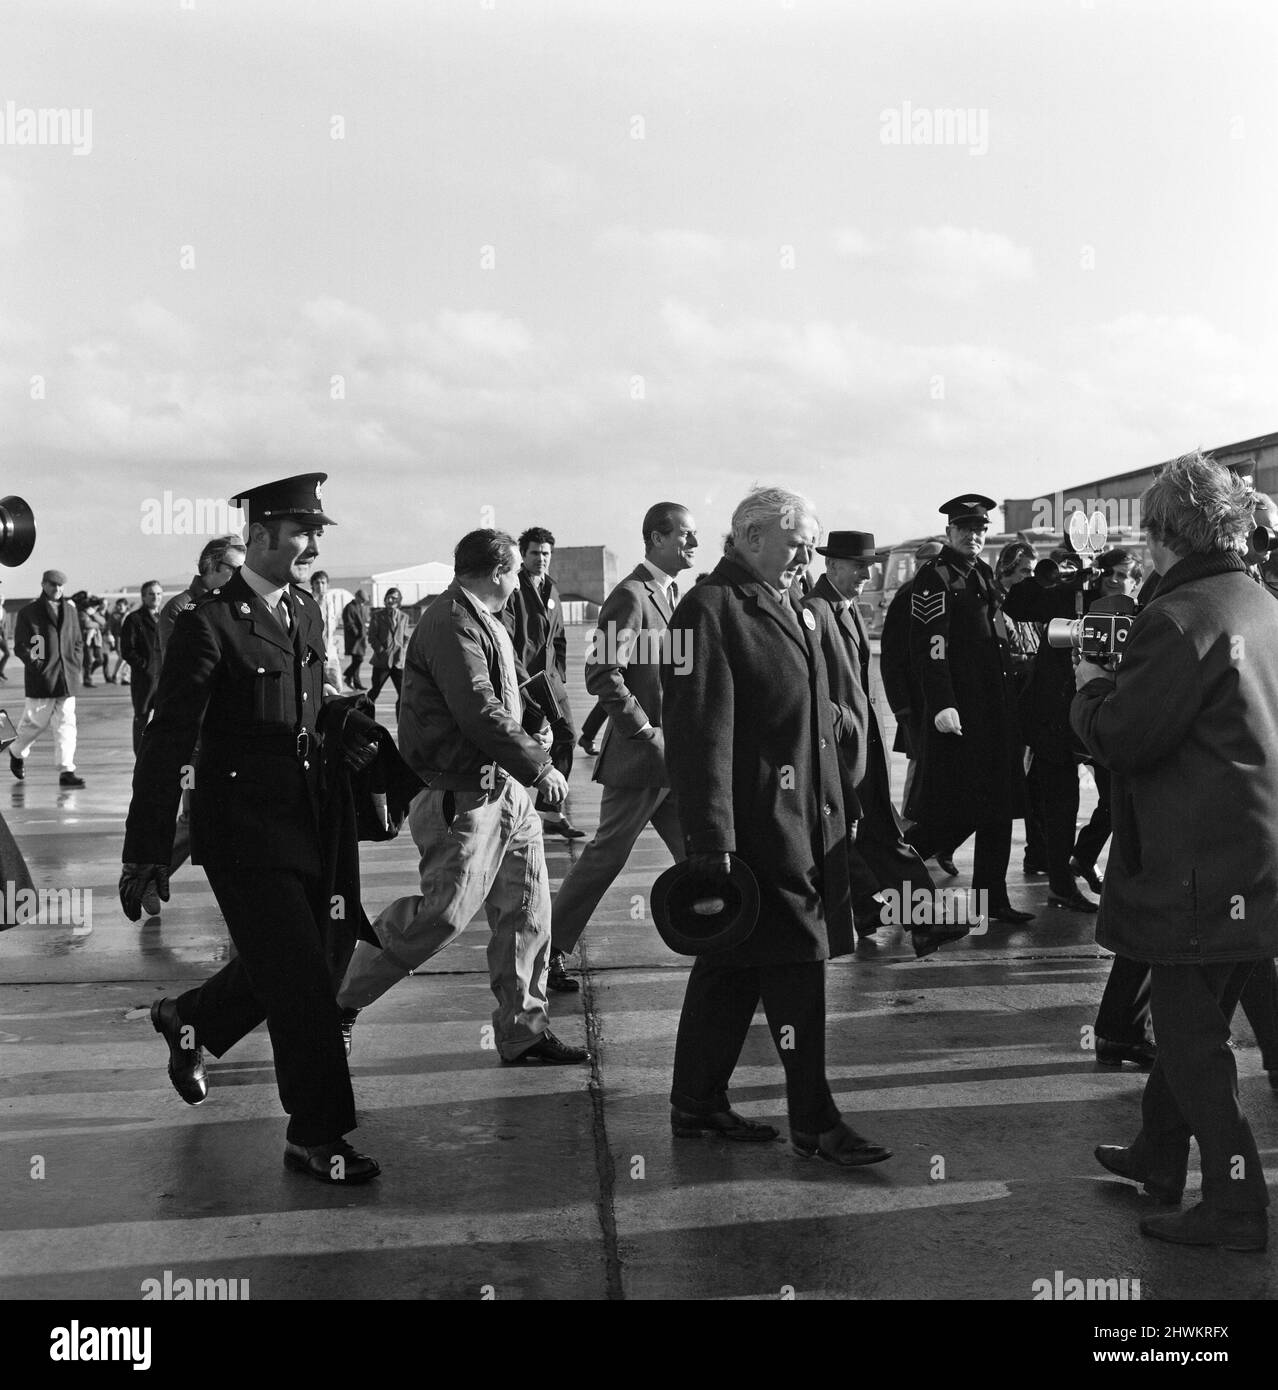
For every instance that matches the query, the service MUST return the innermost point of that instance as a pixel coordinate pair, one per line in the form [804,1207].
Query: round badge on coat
[550,603]
[808,620]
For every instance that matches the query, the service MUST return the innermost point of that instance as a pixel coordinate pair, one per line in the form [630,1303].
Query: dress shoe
[1112,1054]
[1087,872]
[348,1017]
[724,1124]
[563,826]
[335,1162]
[946,864]
[17,767]
[1117,1160]
[1070,898]
[70,779]
[549,1051]
[1008,913]
[841,1146]
[588,746]
[931,939]
[558,980]
[186,1064]
[1033,866]
[1201,1225]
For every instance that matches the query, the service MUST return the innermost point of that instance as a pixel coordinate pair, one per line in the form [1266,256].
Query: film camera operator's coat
[959,657]
[1189,731]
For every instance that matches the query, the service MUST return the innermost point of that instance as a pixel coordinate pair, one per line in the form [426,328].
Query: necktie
[284,612]
[674,595]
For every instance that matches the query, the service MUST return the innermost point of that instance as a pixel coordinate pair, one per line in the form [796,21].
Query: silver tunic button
[261,670]
[233,774]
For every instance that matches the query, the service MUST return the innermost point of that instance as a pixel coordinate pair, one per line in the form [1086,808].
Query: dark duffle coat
[961,660]
[751,754]
[1188,732]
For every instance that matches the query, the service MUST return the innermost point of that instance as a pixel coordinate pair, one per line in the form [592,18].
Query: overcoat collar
[1199,567]
[763,600]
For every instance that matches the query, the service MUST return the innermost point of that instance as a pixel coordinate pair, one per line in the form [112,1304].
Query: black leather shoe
[348,1025]
[1200,1225]
[946,864]
[588,746]
[1071,899]
[724,1124]
[1112,1054]
[70,779]
[1087,872]
[1033,866]
[336,1163]
[841,1146]
[1008,913]
[549,1051]
[1117,1160]
[931,940]
[186,1064]
[558,980]
[17,767]
[563,826]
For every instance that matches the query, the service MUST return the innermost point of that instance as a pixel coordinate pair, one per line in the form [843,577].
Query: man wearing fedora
[751,751]
[244,677]
[880,856]
[970,776]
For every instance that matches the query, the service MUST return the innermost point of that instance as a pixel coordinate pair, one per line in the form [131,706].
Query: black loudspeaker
[17,531]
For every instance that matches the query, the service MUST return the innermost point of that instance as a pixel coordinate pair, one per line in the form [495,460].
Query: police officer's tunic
[250,693]
[960,655]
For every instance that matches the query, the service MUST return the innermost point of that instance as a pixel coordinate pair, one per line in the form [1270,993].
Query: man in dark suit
[534,618]
[244,675]
[751,751]
[881,857]
[623,672]
[970,776]
[50,642]
[140,646]
[355,636]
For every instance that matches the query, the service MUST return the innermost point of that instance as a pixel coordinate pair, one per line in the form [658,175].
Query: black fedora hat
[850,545]
[692,919]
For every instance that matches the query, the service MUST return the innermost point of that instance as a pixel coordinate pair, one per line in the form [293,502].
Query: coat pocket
[268,698]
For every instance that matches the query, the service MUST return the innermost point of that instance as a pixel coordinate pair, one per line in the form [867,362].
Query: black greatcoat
[900,681]
[962,662]
[880,841]
[751,754]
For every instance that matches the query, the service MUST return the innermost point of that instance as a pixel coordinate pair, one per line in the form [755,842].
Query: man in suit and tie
[881,859]
[623,672]
[534,618]
[244,677]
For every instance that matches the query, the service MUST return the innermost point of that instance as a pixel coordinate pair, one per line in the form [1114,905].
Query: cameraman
[1045,706]
[1185,727]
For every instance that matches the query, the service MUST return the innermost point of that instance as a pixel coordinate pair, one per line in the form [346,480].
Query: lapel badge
[244,608]
[550,603]
[808,620]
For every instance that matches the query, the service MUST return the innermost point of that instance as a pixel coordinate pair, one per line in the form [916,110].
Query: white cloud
[848,241]
[958,264]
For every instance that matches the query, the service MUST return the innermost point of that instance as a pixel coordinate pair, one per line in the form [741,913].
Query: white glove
[947,721]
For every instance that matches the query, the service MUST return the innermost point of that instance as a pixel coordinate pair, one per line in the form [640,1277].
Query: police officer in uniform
[244,676]
[970,776]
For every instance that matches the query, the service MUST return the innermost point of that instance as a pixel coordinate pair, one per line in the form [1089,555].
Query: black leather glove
[711,870]
[134,881]
[359,742]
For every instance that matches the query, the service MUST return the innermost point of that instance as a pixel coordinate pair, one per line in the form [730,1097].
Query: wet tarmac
[560,1183]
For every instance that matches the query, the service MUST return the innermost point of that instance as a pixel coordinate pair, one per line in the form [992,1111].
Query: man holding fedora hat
[880,856]
[751,751]
[970,776]
[243,676]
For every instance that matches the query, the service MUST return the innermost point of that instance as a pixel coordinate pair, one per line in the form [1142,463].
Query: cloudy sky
[517,262]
